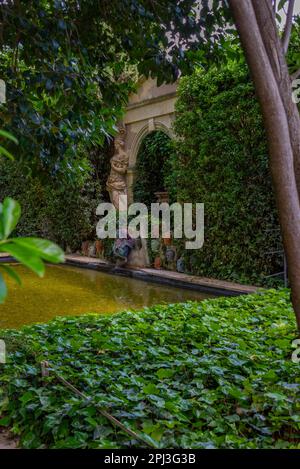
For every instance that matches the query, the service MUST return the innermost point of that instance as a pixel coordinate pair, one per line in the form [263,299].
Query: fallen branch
[46,369]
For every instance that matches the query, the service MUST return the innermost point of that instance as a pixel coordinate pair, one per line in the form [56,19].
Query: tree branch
[288,26]
[278,132]
[295,75]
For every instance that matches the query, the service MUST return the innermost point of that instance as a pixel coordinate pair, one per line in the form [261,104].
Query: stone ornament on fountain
[92,249]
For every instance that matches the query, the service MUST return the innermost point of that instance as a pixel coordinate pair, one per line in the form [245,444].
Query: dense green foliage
[56,103]
[64,213]
[222,161]
[293,57]
[67,68]
[151,167]
[215,374]
[32,252]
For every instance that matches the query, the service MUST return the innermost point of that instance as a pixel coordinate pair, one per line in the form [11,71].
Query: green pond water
[69,291]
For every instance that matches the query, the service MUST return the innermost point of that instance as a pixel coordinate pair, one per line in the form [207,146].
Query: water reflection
[72,291]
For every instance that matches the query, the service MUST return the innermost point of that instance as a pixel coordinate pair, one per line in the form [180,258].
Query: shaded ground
[6,442]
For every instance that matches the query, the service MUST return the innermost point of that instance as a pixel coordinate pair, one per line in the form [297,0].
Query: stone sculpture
[116,182]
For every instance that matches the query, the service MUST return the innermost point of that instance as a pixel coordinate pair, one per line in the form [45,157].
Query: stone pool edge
[164,277]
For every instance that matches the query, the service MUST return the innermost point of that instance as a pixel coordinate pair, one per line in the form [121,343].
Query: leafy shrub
[62,211]
[222,161]
[63,92]
[215,374]
[151,166]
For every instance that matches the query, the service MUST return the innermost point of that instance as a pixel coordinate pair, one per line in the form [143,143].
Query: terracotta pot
[99,247]
[85,248]
[157,263]
[167,241]
[162,196]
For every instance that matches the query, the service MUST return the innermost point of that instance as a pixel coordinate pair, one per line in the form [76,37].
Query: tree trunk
[267,24]
[278,133]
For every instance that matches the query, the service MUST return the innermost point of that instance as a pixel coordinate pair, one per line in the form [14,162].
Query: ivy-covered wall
[222,161]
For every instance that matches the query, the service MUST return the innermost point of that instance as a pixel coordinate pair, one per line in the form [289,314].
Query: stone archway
[151,108]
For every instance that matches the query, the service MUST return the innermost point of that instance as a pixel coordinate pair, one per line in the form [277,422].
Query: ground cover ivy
[215,374]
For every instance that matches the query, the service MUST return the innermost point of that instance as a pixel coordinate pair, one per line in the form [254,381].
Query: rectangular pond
[69,291]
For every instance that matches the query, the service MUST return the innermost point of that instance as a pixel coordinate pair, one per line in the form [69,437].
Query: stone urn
[155,245]
[180,267]
[170,254]
[92,249]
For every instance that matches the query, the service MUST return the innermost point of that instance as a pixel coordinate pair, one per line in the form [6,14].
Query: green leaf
[6,153]
[26,256]
[8,135]
[26,397]
[12,273]
[42,248]
[11,212]
[276,396]
[164,373]
[5,421]
[3,289]
[281,4]
[150,389]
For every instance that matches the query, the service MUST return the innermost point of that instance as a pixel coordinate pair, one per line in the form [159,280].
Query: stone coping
[209,285]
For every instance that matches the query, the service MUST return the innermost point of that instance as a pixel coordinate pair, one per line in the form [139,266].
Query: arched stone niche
[151,108]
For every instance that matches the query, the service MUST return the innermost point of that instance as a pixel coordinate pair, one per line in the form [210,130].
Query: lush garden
[220,373]
[219,157]
[64,118]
